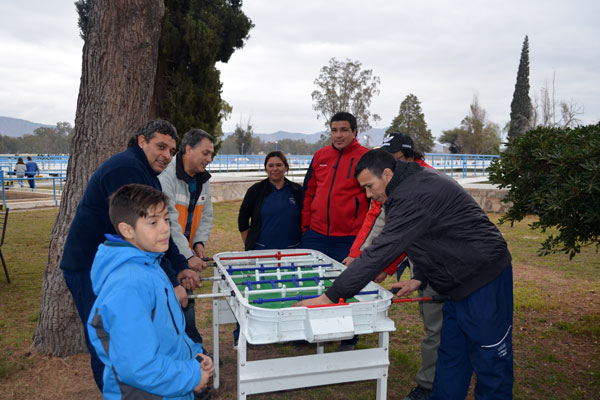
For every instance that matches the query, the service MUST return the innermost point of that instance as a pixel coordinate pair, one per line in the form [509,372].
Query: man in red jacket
[334,203]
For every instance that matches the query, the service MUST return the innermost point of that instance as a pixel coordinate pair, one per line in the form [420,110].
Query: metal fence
[53,168]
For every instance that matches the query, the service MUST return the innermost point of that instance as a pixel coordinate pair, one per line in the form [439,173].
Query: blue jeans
[80,286]
[31,181]
[477,336]
[336,247]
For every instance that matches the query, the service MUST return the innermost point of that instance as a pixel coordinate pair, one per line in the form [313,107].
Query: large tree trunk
[117,82]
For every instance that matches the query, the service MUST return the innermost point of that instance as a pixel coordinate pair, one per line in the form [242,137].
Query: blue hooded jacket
[137,326]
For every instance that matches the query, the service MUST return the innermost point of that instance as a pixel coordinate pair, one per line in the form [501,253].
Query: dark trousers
[190,320]
[80,285]
[477,336]
[31,181]
[336,247]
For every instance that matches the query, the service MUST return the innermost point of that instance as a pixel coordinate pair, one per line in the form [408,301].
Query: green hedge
[555,174]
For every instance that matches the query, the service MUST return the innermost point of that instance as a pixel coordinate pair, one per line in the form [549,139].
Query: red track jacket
[334,202]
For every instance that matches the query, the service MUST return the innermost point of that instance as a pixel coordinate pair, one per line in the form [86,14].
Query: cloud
[443,52]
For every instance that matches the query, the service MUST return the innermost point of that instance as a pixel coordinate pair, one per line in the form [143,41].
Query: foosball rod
[434,299]
[211,295]
[302,297]
[277,255]
[262,269]
[294,272]
[315,279]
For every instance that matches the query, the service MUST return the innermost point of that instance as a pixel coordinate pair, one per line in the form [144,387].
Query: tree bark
[117,83]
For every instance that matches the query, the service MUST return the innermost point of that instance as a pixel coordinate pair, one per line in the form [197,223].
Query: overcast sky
[443,52]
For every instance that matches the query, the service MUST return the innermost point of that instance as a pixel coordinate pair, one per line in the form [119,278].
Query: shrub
[555,174]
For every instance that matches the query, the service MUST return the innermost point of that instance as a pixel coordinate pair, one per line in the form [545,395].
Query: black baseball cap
[396,141]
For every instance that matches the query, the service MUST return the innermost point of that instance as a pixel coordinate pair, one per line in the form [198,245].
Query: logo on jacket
[202,198]
[322,165]
[292,200]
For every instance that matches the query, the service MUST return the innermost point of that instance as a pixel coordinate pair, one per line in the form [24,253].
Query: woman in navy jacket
[270,213]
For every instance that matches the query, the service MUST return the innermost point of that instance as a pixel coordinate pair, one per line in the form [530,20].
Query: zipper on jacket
[170,312]
[350,169]
[335,167]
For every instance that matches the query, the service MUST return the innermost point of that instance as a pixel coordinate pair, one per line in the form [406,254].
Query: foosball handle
[339,303]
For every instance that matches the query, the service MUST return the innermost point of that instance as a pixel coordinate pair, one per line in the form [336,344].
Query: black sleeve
[246,208]
[405,221]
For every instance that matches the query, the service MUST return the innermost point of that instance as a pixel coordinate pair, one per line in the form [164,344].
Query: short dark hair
[193,137]
[131,202]
[151,128]
[344,116]
[375,161]
[277,153]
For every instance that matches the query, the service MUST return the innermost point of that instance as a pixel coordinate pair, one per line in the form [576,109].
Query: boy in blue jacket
[136,325]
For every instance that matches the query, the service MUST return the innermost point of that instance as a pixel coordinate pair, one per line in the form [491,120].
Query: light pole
[242,148]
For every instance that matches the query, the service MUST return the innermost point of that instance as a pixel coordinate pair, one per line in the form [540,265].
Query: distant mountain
[375,136]
[18,127]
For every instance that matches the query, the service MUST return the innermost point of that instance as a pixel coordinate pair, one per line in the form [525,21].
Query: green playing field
[258,300]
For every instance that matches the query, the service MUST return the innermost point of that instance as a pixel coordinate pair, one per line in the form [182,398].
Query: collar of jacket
[181,174]
[354,144]
[402,171]
[141,156]
[113,240]
[286,182]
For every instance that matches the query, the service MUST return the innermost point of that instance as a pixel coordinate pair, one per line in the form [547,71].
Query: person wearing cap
[459,252]
[401,146]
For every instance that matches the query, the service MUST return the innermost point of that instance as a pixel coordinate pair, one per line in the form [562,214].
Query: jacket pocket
[356,204]
[350,169]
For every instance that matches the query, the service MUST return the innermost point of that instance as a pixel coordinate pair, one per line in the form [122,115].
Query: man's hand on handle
[406,287]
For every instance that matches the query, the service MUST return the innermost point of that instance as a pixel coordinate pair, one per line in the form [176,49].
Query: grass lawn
[556,328]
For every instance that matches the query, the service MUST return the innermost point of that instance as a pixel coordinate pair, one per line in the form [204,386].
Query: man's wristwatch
[199,358]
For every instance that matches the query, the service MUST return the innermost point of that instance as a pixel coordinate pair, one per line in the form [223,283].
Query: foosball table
[257,290]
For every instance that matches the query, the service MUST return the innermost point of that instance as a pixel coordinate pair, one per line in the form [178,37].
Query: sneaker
[203,395]
[346,347]
[418,393]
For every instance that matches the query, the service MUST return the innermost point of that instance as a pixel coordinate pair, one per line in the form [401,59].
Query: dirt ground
[569,356]
[25,194]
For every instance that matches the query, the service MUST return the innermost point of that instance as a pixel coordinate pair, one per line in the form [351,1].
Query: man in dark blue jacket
[460,253]
[147,155]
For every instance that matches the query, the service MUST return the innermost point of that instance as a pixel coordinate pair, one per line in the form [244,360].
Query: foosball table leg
[241,358]
[216,381]
[320,348]
[384,343]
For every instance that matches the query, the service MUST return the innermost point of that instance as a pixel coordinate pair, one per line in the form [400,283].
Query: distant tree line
[44,140]
[243,141]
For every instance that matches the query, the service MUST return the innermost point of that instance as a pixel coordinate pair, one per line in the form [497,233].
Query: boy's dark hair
[193,137]
[151,128]
[279,154]
[375,161]
[344,116]
[132,201]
